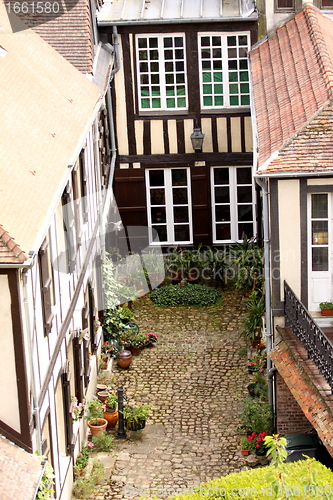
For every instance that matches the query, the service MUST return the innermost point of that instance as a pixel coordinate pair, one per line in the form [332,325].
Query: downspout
[267,274]
[109,191]
[36,414]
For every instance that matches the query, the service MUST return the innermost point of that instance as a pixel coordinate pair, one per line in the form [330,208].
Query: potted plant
[245,446]
[326,308]
[258,363]
[256,415]
[111,413]
[258,388]
[82,459]
[256,443]
[252,319]
[132,341]
[135,417]
[95,417]
[151,338]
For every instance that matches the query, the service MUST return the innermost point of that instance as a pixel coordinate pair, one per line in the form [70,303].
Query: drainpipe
[109,192]
[34,388]
[267,274]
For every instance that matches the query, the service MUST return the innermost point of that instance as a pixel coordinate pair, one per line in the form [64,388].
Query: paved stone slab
[194,380]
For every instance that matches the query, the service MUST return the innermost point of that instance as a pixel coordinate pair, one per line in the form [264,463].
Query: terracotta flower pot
[245,453]
[134,351]
[112,418]
[124,359]
[327,312]
[97,426]
[102,396]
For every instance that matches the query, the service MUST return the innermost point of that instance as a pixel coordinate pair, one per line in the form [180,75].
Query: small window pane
[327,4]
[221,176]
[179,196]
[245,212]
[182,233]
[162,232]
[222,195]
[319,206]
[223,232]
[158,215]
[245,229]
[285,4]
[320,259]
[156,178]
[179,177]
[320,232]
[180,214]
[244,194]
[153,43]
[157,197]
[244,176]
[222,213]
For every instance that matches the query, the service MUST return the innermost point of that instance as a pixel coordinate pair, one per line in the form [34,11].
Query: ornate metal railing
[313,339]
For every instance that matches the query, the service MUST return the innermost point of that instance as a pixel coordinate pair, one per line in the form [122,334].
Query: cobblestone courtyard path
[194,379]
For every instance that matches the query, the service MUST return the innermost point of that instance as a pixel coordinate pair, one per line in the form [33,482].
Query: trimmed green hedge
[305,479]
[189,295]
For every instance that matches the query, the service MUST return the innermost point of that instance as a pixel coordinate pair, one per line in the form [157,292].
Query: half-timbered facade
[55,196]
[292,102]
[184,71]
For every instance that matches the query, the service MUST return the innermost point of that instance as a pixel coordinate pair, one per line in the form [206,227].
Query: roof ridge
[319,44]
[12,246]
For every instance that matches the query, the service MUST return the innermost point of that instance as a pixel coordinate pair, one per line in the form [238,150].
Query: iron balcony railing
[312,338]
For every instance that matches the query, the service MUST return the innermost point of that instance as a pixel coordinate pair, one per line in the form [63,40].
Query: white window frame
[225,70]
[233,204]
[169,207]
[163,84]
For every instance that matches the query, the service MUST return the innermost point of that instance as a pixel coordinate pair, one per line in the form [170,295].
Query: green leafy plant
[245,444]
[136,414]
[112,289]
[252,319]
[191,294]
[125,313]
[256,415]
[112,400]
[84,487]
[248,257]
[133,339]
[82,459]
[326,305]
[112,324]
[45,489]
[103,442]
[94,410]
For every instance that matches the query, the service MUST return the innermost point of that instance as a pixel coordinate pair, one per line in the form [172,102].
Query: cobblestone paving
[194,379]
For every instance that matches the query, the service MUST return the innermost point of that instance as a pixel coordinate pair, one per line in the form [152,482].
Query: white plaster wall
[156,135]
[289,234]
[9,412]
[121,107]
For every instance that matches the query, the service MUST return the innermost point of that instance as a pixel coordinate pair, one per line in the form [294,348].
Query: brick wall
[290,417]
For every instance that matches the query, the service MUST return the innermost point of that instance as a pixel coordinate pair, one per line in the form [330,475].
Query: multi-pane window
[285,4]
[224,73]
[161,72]
[169,204]
[232,202]
[319,231]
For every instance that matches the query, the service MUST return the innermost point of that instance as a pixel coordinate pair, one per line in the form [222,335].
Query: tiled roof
[47,108]
[292,75]
[10,252]
[70,35]
[20,472]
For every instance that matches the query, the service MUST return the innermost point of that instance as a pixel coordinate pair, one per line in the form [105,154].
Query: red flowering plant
[151,339]
[110,348]
[77,408]
[259,362]
[256,442]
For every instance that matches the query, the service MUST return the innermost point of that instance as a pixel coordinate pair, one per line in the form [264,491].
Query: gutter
[109,191]
[34,387]
[267,273]
[294,174]
[137,22]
